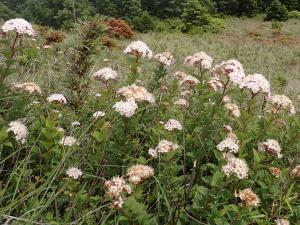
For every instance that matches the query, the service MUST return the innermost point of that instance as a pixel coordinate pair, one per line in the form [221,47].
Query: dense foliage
[62,13]
[211,145]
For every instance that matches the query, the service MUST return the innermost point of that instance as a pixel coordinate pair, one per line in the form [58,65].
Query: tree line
[60,13]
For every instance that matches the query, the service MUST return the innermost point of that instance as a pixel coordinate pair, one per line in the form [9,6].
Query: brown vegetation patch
[118,28]
[54,37]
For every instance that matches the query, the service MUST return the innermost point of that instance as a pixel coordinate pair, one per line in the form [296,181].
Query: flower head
[296,171]
[172,124]
[275,171]
[75,123]
[98,114]
[106,73]
[282,222]
[271,147]
[189,82]
[215,83]
[139,49]
[165,58]
[233,109]
[256,83]
[163,146]
[19,129]
[232,69]
[248,197]
[199,59]
[74,173]
[126,108]
[30,87]
[136,93]
[236,166]
[137,173]
[116,188]
[281,103]
[182,103]
[67,141]
[57,99]
[229,144]
[18,25]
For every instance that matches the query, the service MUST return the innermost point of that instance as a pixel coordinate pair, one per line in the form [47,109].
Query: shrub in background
[168,25]
[143,22]
[294,14]
[119,28]
[277,11]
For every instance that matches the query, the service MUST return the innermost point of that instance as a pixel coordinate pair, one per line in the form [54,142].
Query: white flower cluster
[30,87]
[75,123]
[256,83]
[236,166]
[229,144]
[57,98]
[199,59]
[19,129]
[67,141]
[138,173]
[188,82]
[232,108]
[163,146]
[106,73]
[116,188]
[74,173]
[248,197]
[126,108]
[165,58]
[182,103]
[232,69]
[215,83]
[136,93]
[98,114]
[138,49]
[296,171]
[18,25]
[271,147]
[173,124]
[282,222]
[280,103]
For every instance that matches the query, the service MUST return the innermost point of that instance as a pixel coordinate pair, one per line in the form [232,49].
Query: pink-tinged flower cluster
[271,147]
[105,74]
[18,25]
[173,124]
[256,83]
[236,166]
[74,173]
[248,197]
[163,146]
[165,58]
[126,108]
[200,60]
[137,173]
[138,49]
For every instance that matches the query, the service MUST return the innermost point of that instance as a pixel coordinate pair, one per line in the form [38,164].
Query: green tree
[128,9]
[194,15]
[143,23]
[277,11]
[6,13]
[164,8]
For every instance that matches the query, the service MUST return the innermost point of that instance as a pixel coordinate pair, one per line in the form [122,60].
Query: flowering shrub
[212,146]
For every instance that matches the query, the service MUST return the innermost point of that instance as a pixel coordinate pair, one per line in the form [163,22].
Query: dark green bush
[294,14]
[277,11]
[143,23]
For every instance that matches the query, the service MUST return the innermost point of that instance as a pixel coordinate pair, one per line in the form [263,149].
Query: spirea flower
[229,144]
[215,83]
[189,82]
[163,146]
[226,99]
[256,83]
[136,93]
[67,141]
[248,197]
[75,123]
[232,69]
[296,171]
[19,130]
[30,87]
[271,147]
[138,49]
[74,173]
[181,75]
[199,59]
[98,114]
[182,103]
[275,171]
[282,222]
[18,25]
[281,103]
[173,124]
[126,108]
[106,73]
[236,166]
[227,128]
[138,173]
[233,110]
[57,98]
[116,188]
[165,58]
